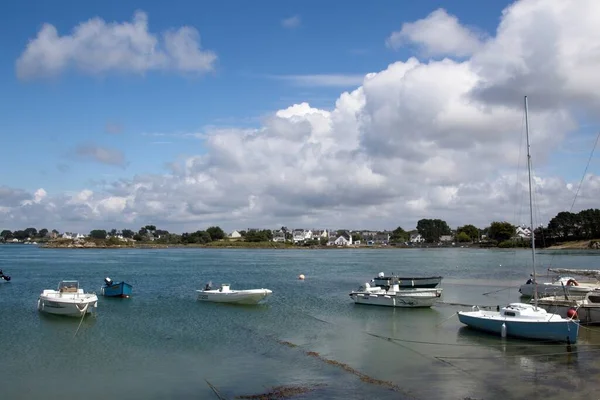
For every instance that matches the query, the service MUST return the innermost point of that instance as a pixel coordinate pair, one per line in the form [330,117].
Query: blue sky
[45,119]
[272,121]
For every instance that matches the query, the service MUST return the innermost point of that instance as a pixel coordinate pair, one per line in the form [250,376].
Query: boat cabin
[68,286]
[522,311]
[225,287]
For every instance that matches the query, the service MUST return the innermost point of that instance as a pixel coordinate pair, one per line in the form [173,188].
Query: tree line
[565,226]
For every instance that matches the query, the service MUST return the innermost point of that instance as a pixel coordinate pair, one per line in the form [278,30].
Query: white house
[345,239]
[235,235]
[415,237]
[446,238]
[278,236]
[523,232]
[300,235]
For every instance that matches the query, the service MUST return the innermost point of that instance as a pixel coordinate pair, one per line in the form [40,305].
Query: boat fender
[572,313]
[503,331]
[572,282]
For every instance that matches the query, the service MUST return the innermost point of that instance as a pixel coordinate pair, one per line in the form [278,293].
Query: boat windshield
[68,286]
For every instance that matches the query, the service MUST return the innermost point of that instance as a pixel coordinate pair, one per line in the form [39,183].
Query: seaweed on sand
[281,392]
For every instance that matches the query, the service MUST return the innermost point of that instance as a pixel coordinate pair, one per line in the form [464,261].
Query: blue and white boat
[519,319]
[118,289]
[523,321]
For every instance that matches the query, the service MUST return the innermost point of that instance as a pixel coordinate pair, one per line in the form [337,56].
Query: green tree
[20,235]
[31,232]
[564,224]
[113,232]
[501,231]
[356,237]
[470,230]
[463,237]
[399,235]
[98,234]
[432,229]
[6,234]
[127,233]
[43,232]
[216,233]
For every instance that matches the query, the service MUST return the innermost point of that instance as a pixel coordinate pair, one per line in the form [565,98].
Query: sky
[316,115]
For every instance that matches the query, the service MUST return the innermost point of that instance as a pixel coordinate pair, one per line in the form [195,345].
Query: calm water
[163,344]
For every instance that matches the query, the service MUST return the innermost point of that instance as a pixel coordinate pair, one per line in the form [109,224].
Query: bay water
[163,344]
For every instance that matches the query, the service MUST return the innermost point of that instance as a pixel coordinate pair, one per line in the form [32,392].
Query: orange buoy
[572,313]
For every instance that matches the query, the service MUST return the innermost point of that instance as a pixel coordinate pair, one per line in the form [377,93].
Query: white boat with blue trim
[224,294]
[519,319]
[69,300]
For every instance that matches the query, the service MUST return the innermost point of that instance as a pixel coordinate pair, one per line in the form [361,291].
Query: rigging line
[562,353]
[585,171]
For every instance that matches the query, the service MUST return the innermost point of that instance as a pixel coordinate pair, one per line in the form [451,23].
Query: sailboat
[527,321]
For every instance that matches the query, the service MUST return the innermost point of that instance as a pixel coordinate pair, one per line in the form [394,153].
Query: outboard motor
[108,281]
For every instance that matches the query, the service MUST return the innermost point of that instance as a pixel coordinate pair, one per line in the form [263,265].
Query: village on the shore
[564,227]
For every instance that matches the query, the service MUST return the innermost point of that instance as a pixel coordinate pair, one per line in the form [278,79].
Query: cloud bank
[420,139]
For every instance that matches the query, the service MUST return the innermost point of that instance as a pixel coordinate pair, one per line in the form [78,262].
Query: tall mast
[535,295]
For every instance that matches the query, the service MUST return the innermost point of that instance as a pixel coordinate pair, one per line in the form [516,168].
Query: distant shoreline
[101,244]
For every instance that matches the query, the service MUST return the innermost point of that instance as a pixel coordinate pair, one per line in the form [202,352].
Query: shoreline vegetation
[92,243]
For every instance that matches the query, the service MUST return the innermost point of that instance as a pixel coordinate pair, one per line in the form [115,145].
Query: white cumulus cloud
[438,34]
[96,46]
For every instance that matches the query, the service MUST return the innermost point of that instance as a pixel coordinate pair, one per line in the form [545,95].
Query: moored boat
[585,308]
[4,278]
[69,300]
[395,296]
[519,319]
[559,285]
[115,289]
[523,321]
[224,294]
[407,282]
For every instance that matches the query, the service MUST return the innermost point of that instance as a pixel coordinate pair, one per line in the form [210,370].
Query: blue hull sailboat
[118,289]
[522,320]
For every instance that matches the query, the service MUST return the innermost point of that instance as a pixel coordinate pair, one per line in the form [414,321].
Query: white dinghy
[68,300]
[225,295]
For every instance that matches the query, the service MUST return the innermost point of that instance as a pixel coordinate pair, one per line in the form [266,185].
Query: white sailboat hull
[251,296]
[409,298]
[525,322]
[75,304]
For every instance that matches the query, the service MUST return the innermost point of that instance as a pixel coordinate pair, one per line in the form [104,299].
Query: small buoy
[301,277]
[503,331]
[572,313]
[500,264]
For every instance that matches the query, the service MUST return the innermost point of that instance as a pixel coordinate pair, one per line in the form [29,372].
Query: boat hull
[120,289]
[68,307]
[411,282]
[588,314]
[545,289]
[248,297]
[421,299]
[559,330]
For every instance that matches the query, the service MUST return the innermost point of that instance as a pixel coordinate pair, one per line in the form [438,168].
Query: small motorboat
[384,281]
[559,285]
[395,296]
[118,289]
[4,278]
[68,300]
[224,294]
